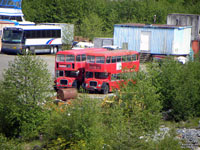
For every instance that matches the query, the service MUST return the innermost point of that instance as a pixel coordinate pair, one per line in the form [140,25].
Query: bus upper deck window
[83,57]
[114,59]
[129,58]
[124,58]
[69,58]
[78,58]
[60,58]
[90,59]
[100,60]
[108,60]
[119,58]
[134,57]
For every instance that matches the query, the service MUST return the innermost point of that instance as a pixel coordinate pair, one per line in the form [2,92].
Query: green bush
[6,144]
[179,87]
[24,90]
[116,123]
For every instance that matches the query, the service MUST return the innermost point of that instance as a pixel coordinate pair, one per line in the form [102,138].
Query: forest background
[96,18]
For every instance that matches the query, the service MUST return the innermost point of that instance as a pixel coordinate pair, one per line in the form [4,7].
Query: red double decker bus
[70,67]
[103,70]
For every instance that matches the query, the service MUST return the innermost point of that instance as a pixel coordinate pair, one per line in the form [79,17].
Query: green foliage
[91,124]
[141,103]
[91,26]
[6,144]
[103,14]
[179,87]
[25,88]
[78,127]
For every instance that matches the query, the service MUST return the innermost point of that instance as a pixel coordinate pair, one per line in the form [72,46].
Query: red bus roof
[81,51]
[113,53]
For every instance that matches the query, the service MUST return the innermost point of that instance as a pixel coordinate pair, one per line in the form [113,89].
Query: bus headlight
[86,84]
[99,85]
[70,83]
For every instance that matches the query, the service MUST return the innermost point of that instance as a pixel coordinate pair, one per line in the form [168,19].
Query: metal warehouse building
[153,38]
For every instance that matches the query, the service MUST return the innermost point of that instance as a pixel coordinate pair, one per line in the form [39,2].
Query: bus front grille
[93,83]
[63,82]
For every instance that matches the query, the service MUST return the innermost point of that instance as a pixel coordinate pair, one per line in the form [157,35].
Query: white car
[111,47]
[81,45]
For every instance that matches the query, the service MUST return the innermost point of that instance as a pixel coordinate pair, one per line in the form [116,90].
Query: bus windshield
[14,36]
[89,74]
[71,73]
[101,75]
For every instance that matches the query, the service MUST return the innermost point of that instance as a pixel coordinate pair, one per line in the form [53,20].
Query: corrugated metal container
[100,42]
[153,39]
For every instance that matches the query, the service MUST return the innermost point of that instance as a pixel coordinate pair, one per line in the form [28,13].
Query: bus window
[78,58]
[89,74]
[69,58]
[71,73]
[101,75]
[108,60]
[119,58]
[114,59]
[134,57]
[59,73]
[60,58]
[12,36]
[124,58]
[83,57]
[129,58]
[90,59]
[100,60]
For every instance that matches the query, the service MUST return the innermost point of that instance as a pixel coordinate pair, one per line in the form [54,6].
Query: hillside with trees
[95,18]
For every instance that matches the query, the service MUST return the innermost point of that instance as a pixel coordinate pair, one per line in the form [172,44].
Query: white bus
[36,39]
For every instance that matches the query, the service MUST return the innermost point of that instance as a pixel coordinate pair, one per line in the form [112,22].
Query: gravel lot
[5,59]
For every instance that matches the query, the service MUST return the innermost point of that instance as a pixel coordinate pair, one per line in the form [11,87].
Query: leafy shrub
[24,89]
[116,123]
[179,87]
[6,144]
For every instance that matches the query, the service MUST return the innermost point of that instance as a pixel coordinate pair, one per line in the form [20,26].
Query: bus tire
[55,49]
[27,50]
[52,50]
[105,90]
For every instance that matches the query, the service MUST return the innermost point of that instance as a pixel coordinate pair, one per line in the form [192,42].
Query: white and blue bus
[34,39]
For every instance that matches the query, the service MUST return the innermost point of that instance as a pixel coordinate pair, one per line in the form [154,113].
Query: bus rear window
[60,58]
[70,58]
[100,60]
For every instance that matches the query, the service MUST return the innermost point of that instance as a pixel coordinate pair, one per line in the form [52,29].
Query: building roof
[177,14]
[152,26]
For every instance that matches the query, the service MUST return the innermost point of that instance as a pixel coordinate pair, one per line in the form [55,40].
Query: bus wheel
[51,50]
[27,50]
[105,90]
[55,50]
